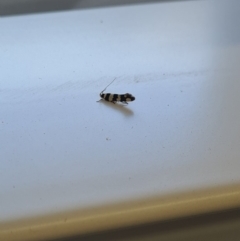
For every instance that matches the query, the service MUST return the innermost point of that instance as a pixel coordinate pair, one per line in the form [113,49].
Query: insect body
[124,98]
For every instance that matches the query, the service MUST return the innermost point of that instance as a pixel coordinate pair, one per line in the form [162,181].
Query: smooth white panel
[60,149]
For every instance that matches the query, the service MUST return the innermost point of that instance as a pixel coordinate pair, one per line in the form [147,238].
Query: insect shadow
[118,107]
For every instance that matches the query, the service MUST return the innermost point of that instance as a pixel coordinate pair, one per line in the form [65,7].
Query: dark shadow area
[17,7]
[156,230]
[35,6]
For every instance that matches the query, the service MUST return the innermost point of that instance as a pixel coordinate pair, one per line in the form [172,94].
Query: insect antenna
[107,86]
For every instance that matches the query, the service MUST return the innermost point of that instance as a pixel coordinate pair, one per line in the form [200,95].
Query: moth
[124,98]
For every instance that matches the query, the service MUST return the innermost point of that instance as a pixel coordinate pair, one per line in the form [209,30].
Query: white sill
[64,155]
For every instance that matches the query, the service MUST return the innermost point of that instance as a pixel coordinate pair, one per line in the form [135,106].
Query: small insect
[124,98]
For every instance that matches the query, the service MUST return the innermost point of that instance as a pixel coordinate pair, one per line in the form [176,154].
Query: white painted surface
[60,149]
